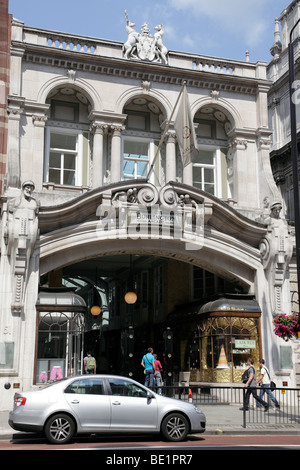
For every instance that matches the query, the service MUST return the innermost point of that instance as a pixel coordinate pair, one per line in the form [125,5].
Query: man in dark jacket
[251,387]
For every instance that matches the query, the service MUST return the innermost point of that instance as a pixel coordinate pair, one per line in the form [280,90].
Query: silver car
[102,404]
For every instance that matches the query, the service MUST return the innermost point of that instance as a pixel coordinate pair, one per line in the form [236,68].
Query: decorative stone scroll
[20,235]
[143,45]
[145,212]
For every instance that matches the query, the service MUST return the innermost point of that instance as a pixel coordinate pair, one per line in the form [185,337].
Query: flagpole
[165,131]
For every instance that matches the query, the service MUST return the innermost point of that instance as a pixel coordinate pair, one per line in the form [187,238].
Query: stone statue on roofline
[143,45]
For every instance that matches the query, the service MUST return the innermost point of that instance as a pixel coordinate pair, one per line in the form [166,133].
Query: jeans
[149,378]
[158,381]
[266,388]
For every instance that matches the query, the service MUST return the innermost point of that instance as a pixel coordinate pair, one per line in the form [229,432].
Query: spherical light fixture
[95,310]
[130,297]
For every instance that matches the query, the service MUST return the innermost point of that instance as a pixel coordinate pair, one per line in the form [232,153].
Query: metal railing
[288,399]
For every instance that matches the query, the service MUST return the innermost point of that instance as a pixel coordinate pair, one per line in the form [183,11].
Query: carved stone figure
[144,46]
[161,49]
[20,237]
[129,48]
[276,251]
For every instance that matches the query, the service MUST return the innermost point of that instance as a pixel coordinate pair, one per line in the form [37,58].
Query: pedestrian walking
[251,387]
[149,366]
[89,364]
[264,381]
[158,369]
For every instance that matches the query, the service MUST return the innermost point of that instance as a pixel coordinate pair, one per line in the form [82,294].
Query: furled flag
[185,131]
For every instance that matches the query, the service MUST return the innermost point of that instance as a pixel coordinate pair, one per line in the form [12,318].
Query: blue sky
[220,28]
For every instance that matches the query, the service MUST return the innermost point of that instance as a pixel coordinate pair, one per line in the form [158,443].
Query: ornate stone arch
[78,84]
[146,92]
[219,104]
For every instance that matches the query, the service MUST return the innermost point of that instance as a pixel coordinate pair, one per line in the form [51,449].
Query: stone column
[171,157]
[98,155]
[115,159]
[188,174]
[37,149]
[240,171]
[15,109]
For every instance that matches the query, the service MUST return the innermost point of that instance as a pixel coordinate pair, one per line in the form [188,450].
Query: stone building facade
[279,121]
[97,202]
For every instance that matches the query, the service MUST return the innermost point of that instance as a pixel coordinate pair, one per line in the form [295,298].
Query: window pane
[69,177]
[86,387]
[210,188]
[64,112]
[54,176]
[126,389]
[128,169]
[141,169]
[133,149]
[197,174]
[69,161]
[208,175]
[206,157]
[55,160]
[63,141]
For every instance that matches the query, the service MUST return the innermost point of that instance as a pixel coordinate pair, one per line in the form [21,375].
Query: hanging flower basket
[287,326]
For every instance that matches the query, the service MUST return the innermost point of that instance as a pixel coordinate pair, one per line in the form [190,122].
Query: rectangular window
[66,157]
[204,172]
[63,111]
[135,159]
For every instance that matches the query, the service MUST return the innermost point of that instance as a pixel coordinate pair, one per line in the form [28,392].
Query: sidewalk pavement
[220,419]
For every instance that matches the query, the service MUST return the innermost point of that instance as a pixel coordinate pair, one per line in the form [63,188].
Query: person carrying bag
[148,362]
[266,384]
[250,384]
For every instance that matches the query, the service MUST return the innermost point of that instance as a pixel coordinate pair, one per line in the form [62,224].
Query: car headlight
[197,409]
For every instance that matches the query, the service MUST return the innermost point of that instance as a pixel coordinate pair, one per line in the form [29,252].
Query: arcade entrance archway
[120,334]
[184,245]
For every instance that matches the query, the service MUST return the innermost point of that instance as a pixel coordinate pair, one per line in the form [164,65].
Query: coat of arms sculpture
[143,45]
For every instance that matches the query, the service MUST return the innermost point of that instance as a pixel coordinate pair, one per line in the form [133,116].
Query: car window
[86,387]
[124,388]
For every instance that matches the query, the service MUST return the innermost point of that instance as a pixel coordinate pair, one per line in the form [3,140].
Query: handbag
[245,377]
[272,384]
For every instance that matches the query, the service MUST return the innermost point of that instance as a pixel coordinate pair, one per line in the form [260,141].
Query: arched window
[141,137]
[67,139]
[213,170]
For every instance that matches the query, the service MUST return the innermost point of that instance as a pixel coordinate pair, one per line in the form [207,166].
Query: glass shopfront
[60,336]
[224,336]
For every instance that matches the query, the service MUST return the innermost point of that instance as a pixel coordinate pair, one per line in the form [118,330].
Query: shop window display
[220,347]
[60,340]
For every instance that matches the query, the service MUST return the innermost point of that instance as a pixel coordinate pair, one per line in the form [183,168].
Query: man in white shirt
[264,380]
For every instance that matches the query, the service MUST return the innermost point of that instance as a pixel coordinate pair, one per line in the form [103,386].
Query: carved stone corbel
[276,251]
[20,236]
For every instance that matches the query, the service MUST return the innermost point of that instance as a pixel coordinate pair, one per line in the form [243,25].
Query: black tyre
[60,429]
[175,427]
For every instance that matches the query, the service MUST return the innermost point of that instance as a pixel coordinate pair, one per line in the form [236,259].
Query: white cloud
[236,17]
[188,41]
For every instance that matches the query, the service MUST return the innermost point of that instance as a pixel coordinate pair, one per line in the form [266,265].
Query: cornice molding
[140,70]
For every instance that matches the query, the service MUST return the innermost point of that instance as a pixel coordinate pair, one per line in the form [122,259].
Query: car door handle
[116,403]
[75,402]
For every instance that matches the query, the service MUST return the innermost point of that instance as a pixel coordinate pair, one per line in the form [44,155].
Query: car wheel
[60,429]
[175,427]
